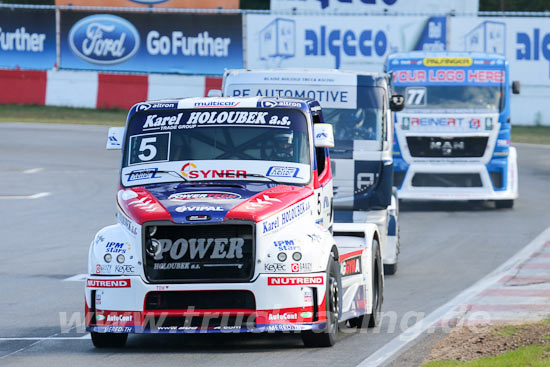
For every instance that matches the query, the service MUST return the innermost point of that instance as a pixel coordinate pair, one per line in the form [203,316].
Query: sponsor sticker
[448,61]
[274,267]
[300,267]
[203,195]
[272,103]
[124,269]
[286,245]
[189,170]
[184,209]
[158,122]
[127,223]
[108,283]
[286,217]
[233,118]
[143,174]
[102,268]
[216,104]
[351,266]
[316,280]
[119,318]
[156,106]
[283,316]
[117,247]
[281,171]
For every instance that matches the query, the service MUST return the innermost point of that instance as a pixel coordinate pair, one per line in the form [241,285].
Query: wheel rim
[375,299]
[333,304]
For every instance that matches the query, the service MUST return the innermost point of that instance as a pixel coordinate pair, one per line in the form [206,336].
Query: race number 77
[416,96]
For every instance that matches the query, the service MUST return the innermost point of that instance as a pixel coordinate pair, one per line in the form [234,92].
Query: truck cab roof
[299,75]
[305,104]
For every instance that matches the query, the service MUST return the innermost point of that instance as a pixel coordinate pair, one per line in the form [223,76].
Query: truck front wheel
[373,319]
[504,204]
[109,340]
[327,337]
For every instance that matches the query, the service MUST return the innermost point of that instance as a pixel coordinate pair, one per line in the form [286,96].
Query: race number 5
[147,148]
[147,144]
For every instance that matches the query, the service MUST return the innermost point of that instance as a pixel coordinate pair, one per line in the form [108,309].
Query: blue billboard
[27,39]
[158,43]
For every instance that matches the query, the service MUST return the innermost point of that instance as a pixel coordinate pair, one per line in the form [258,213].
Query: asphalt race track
[58,186]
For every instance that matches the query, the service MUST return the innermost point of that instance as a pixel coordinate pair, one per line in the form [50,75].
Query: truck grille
[455,147]
[198,253]
[200,300]
[447,180]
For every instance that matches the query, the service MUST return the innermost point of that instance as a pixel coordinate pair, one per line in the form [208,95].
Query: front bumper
[282,302]
[485,191]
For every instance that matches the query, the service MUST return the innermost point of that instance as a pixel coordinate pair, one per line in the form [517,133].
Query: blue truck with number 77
[452,139]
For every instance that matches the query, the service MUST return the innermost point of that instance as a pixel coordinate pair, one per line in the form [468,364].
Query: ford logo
[104,39]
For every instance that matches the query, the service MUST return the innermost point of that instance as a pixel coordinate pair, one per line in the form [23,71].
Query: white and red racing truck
[224,225]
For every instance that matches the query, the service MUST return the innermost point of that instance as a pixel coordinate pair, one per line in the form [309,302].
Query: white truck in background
[359,106]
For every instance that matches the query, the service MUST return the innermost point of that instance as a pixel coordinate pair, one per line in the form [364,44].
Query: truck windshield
[364,122]
[452,97]
[215,143]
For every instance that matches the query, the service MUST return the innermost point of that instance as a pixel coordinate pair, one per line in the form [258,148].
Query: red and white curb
[90,89]
[521,295]
[517,291]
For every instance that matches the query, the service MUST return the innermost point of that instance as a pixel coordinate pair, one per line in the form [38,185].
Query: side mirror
[397,102]
[515,87]
[323,135]
[114,138]
[214,93]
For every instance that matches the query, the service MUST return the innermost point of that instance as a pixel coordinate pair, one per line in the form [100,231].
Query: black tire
[327,337]
[377,287]
[378,295]
[109,340]
[504,204]
[390,269]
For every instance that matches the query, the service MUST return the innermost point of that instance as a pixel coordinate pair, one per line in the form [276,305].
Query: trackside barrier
[89,89]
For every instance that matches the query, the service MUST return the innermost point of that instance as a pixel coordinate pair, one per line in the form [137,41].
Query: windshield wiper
[250,175]
[171,173]
[262,176]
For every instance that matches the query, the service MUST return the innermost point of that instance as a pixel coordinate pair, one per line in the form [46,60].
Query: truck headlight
[120,259]
[152,247]
[281,256]
[297,256]
[107,258]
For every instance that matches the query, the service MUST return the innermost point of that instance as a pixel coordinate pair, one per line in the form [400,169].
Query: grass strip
[532,356]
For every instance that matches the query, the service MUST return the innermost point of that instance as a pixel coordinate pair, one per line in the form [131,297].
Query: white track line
[87,336]
[30,171]
[76,278]
[388,351]
[33,196]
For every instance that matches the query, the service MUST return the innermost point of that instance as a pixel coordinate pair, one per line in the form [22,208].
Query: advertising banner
[378,6]
[27,39]
[188,4]
[524,41]
[339,42]
[158,42]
